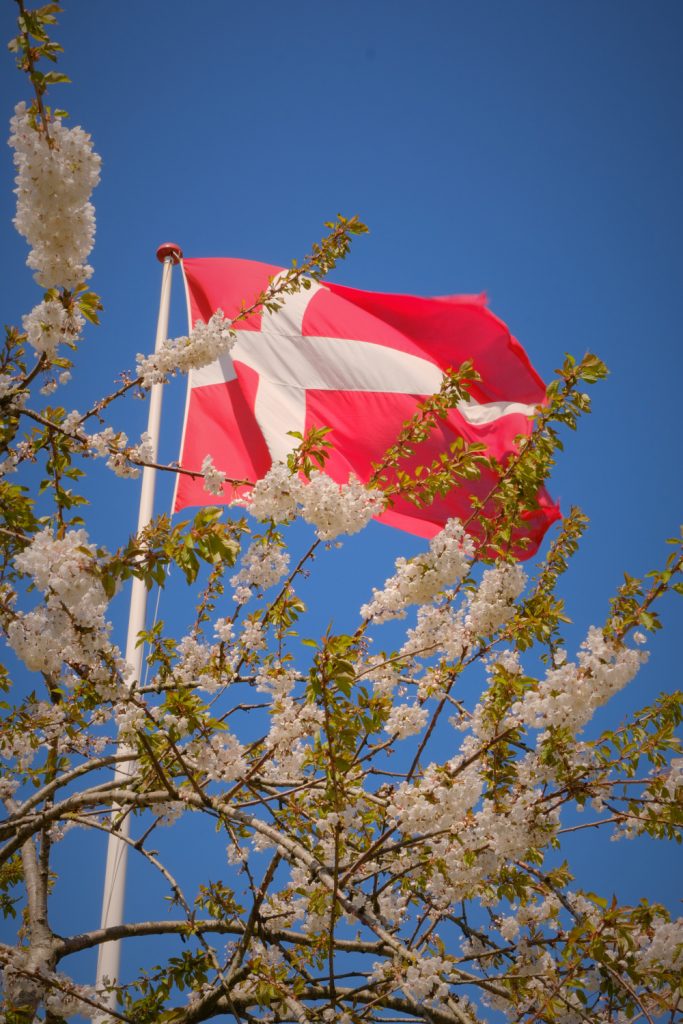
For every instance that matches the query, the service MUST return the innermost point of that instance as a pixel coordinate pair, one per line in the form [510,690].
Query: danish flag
[357,362]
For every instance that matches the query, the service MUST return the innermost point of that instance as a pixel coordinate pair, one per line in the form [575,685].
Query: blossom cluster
[54,183]
[71,625]
[419,580]
[570,693]
[51,323]
[144,451]
[213,478]
[664,948]
[264,564]
[292,723]
[421,978]
[332,508]
[436,801]
[220,758]
[205,343]
[406,720]
[493,602]
[113,446]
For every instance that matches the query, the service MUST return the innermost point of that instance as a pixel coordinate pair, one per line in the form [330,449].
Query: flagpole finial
[169,250]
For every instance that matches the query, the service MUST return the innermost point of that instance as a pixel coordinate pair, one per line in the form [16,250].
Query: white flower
[423,980]
[223,630]
[53,190]
[421,579]
[144,452]
[406,720]
[263,565]
[338,508]
[674,776]
[569,694]
[665,948]
[205,343]
[213,478]
[48,324]
[509,928]
[275,496]
[331,507]
[219,758]
[492,603]
[70,626]
[112,446]
[434,802]
[253,636]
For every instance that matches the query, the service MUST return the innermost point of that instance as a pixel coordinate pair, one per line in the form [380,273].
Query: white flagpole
[109,956]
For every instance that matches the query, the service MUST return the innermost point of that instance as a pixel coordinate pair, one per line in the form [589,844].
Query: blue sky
[530,150]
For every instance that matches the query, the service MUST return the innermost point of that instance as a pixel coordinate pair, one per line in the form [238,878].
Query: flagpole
[109,956]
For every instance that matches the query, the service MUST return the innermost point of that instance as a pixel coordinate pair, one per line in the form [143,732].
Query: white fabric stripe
[487,412]
[336,364]
[219,372]
[279,409]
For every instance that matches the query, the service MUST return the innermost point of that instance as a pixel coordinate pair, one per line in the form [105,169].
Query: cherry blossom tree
[370,873]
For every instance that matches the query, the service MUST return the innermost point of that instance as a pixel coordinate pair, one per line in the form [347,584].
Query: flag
[357,362]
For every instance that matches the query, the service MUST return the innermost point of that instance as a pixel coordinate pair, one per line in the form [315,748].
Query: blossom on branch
[54,183]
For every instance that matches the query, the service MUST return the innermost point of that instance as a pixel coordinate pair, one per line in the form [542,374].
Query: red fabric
[220,418]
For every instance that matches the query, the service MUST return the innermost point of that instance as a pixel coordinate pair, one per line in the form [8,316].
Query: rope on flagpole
[109,956]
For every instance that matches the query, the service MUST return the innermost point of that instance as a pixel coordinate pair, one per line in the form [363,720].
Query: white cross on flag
[357,362]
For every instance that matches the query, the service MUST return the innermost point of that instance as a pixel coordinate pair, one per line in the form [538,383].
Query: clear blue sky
[531,150]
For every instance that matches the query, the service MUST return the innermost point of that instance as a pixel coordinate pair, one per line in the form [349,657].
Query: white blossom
[439,629]
[220,758]
[509,928]
[70,626]
[275,495]
[54,184]
[71,424]
[422,980]
[292,723]
[436,801]
[332,508]
[253,636]
[48,324]
[492,604]
[205,343]
[569,695]
[406,720]
[421,579]
[144,451]
[224,630]
[276,680]
[194,658]
[664,948]
[63,567]
[213,478]
[263,565]
[673,779]
[9,464]
[338,508]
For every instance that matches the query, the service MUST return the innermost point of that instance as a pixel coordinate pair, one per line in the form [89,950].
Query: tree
[368,878]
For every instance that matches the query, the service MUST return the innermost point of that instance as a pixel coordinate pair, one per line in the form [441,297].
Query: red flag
[357,362]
